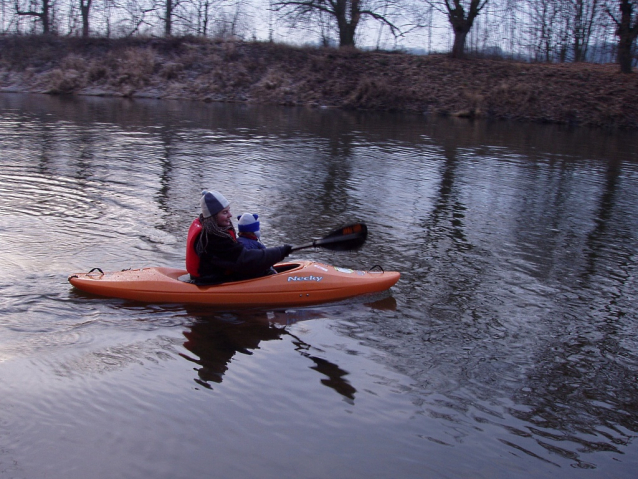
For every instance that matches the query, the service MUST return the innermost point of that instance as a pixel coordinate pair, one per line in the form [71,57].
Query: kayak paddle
[346,238]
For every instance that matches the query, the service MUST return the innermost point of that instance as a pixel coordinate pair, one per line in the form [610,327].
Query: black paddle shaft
[346,238]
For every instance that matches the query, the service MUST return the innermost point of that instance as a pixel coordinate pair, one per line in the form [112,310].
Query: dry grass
[207,70]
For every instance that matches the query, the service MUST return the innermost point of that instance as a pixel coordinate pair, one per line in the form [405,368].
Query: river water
[508,349]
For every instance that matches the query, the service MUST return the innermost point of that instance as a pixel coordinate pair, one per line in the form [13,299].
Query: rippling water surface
[508,349]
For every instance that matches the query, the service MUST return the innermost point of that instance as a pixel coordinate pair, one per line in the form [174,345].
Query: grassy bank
[207,70]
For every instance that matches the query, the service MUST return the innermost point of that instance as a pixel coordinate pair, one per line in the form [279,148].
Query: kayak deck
[299,283]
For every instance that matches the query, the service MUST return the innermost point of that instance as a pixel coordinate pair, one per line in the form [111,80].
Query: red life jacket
[192,258]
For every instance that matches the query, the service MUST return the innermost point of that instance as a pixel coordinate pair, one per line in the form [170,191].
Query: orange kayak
[295,284]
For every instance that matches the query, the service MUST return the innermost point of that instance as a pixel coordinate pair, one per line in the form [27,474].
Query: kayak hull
[300,283]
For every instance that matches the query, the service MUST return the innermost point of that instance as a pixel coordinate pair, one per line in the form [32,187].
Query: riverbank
[206,70]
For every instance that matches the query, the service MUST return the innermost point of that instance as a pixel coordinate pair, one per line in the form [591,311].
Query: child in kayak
[213,253]
[249,234]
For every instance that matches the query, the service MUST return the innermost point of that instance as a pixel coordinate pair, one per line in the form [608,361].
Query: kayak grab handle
[96,269]
[378,267]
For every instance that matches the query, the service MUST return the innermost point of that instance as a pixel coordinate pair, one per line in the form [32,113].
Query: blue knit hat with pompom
[248,224]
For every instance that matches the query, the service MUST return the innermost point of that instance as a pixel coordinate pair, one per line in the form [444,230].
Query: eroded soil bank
[207,70]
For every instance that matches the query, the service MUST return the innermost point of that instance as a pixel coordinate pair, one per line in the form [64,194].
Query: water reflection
[599,238]
[336,376]
[448,204]
[215,339]
[574,399]
[214,342]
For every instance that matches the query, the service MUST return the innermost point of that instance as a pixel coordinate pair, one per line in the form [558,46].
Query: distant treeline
[531,30]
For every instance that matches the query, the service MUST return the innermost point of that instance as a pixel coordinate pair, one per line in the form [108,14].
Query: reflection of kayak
[295,284]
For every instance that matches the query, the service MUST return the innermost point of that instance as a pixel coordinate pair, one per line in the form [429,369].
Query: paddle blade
[346,238]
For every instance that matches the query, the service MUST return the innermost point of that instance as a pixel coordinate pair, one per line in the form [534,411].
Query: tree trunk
[205,20]
[458,49]
[625,59]
[85,8]
[346,35]
[585,14]
[168,19]
[626,33]
[578,32]
[462,23]
[46,27]
[347,26]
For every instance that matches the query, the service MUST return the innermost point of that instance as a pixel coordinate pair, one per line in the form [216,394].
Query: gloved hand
[286,249]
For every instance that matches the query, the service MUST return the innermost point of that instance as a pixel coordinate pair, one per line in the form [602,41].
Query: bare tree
[43,14]
[626,31]
[563,30]
[170,7]
[346,14]
[461,15]
[492,29]
[231,21]
[543,24]
[85,10]
[584,14]
[132,16]
[203,16]
[180,17]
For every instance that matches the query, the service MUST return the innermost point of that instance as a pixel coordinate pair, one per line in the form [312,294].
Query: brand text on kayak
[305,278]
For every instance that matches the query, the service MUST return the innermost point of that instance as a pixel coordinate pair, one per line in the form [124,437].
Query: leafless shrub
[135,67]
[230,50]
[171,70]
[60,81]
[97,72]
[271,81]
[474,105]
[73,62]
[372,93]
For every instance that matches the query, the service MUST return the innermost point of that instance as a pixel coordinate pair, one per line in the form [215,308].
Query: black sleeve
[252,261]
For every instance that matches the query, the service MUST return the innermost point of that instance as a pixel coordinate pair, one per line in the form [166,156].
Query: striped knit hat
[212,203]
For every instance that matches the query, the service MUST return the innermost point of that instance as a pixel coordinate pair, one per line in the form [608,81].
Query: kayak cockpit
[279,268]
[283,267]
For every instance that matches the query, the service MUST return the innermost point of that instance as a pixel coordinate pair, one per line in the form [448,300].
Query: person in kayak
[250,235]
[213,253]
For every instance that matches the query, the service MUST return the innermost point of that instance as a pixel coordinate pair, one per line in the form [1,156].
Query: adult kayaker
[213,253]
